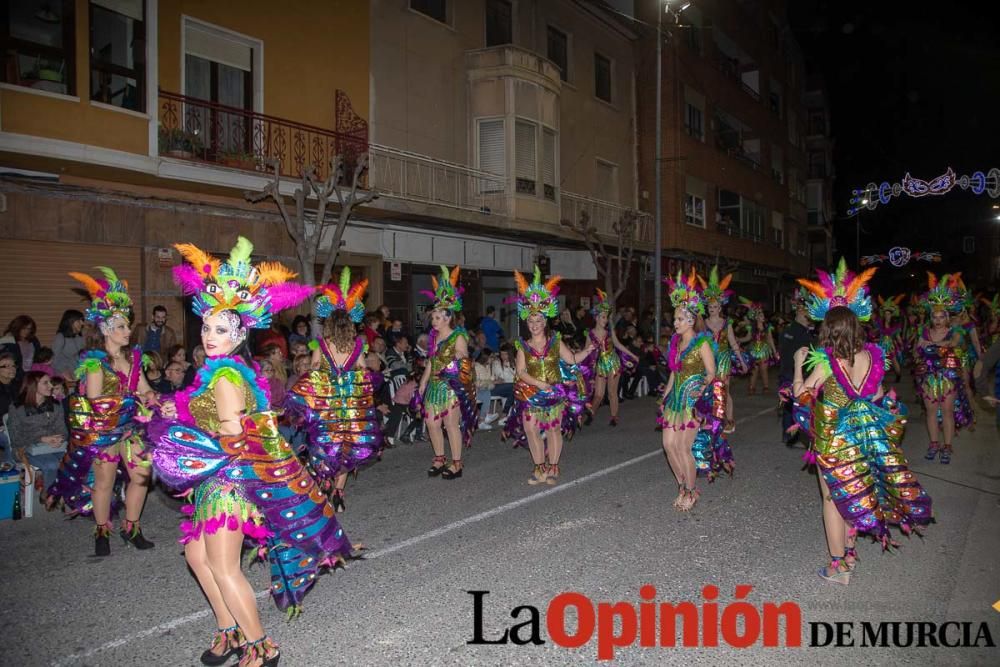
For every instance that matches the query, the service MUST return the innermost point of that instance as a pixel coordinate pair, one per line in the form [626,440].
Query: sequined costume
[967,348]
[251,481]
[940,373]
[889,337]
[758,348]
[857,440]
[606,361]
[337,404]
[97,427]
[561,407]
[691,404]
[452,385]
[723,353]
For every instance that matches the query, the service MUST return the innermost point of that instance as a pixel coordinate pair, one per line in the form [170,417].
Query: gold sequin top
[722,337]
[544,365]
[691,363]
[444,354]
[203,408]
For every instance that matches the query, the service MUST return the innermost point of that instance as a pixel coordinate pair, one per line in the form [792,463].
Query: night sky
[913,86]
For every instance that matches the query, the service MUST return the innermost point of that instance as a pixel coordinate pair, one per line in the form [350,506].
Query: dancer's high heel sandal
[262,653]
[932,451]
[453,473]
[102,540]
[537,475]
[946,454]
[228,639]
[680,497]
[132,535]
[852,554]
[337,500]
[837,571]
[614,421]
[439,465]
[552,474]
[690,498]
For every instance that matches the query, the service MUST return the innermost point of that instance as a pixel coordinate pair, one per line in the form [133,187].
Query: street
[606,530]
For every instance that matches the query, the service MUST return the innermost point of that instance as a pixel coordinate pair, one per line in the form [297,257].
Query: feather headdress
[714,289]
[685,293]
[840,288]
[753,307]
[254,292]
[994,304]
[601,303]
[941,295]
[447,294]
[108,296]
[800,298]
[342,295]
[537,297]
[890,306]
[963,295]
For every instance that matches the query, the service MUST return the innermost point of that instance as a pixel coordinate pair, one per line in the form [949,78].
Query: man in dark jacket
[796,335]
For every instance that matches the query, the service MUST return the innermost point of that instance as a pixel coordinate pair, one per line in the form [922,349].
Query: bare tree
[307,226]
[613,262]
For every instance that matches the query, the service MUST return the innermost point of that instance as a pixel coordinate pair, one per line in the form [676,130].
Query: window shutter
[211,46]
[549,163]
[524,150]
[491,147]
[606,188]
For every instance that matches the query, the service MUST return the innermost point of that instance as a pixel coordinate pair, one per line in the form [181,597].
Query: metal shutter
[33,275]
[491,144]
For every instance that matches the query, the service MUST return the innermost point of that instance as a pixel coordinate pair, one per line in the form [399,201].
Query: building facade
[819,196]
[734,164]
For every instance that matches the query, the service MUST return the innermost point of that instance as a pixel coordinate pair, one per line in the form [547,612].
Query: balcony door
[219,72]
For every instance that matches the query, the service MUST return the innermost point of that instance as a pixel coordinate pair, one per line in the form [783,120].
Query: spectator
[178,354]
[371,329]
[401,406]
[272,336]
[565,325]
[491,329]
[43,361]
[300,331]
[504,374]
[274,383]
[158,382]
[398,358]
[9,383]
[384,313]
[198,357]
[296,348]
[477,344]
[157,336]
[68,343]
[301,365]
[174,374]
[37,424]
[378,348]
[273,353]
[645,368]
[484,389]
[394,332]
[19,339]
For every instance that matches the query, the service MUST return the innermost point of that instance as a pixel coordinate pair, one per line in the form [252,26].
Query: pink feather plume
[288,295]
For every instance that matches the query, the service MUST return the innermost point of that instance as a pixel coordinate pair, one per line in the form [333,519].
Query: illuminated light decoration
[900,257]
[873,194]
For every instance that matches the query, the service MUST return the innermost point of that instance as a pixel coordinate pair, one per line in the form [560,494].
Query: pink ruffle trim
[192,530]
[108,457]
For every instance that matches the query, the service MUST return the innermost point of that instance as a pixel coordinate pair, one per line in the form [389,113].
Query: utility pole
[658,160]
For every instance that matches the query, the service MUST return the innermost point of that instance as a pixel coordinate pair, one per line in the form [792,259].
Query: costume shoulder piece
[235,371]
[91,361]
[818,358]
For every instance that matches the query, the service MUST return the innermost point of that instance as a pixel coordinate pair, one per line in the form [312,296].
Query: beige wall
[420,94]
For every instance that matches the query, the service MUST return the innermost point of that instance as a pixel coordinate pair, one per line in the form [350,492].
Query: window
[817,165]
[436,9]
[558,50]
[218,69]
[118,53]
[602,77]
[491,154]
[607,181]
[729,211]
[499,22]
[694,124]
[549,164]
[524,157]
[778,229]
[775,98]
[777,164]
[694,210]
[793,129]
[37,42]
[752,220]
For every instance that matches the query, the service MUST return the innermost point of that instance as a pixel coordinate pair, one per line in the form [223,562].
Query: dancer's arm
[522,371]
[618,346]
[95,383]
[461,347]
[316,359]
[571,357]
[734,343]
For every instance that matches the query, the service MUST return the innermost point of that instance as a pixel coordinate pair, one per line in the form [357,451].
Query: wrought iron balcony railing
[604,215]
[198,130]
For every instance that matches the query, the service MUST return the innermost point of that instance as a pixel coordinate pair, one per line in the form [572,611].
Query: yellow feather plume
[198,258]
[274,273]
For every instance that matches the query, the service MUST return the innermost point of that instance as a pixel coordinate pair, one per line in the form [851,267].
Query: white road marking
[388,551]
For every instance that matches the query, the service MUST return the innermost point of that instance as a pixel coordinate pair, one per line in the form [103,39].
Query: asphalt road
[606,530]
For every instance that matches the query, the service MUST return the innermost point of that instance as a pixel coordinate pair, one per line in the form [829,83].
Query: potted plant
[239,160]
[178,143]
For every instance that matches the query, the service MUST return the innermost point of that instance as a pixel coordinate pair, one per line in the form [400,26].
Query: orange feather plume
[814,287]
[198,258]
[522,282]
[92,286]
[859,282]
[274,273]
[454,276]
[724,283]
[357,290]
[552,282]
[931,280]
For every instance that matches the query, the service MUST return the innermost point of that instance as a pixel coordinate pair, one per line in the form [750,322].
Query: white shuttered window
[549,164]
[525,159]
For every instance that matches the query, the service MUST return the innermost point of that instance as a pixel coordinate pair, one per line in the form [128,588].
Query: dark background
[913,87]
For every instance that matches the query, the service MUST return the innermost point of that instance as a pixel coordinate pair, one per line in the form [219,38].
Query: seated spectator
[60,394]
[154,374]
[401,401]
[274,383]
[275,355]
[68,343]
[9,384]
[373,321]
[19,339]
[398,358]
[37,425]
[198,357]
[378,347]
[394,331]
[273,336]
[484,390]
[504,374]
[300,332]
[42,362]
[174,375]
[177,354]
[645,368]
[300,366]
[296,348]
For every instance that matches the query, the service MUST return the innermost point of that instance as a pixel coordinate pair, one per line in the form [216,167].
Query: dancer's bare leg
[222,551]
[613,381]
[600,385]
[197,560]
[100,494]
[453,425]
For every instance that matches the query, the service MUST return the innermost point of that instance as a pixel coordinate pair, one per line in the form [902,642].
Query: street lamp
[658,160]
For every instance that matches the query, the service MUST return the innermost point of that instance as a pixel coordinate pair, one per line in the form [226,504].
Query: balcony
[205,132]
[604,215]
[413,177]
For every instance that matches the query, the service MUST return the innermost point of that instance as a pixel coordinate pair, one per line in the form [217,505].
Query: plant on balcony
[238,160]
[613,261]
[309,227]
[176,142]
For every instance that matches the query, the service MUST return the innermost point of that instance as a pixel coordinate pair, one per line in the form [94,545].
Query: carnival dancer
[104,427]
[447,389]
[889,331]
[606,359]
[336,399]
[856,429]
[971,351]
[717,295]
[798,334]
[694,399]
[939,370]
[763,353]
[219,441]
[991,328]
[550,392]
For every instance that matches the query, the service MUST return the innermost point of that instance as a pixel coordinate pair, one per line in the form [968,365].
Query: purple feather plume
[288,295]
[187,278]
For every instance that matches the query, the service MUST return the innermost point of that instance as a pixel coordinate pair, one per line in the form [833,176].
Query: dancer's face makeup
[714,309]
[682,321]
[536,324]
[939,318]
[220,335]
[117,331]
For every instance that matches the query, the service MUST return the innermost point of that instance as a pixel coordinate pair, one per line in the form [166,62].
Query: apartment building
[129,125]
[821,211]
[735,166]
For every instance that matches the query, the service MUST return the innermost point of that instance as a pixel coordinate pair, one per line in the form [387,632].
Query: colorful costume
[604,360]
[337,402]
[890,336]
[99,425]
[992,327]
[856,436]
[758,349]
[714,290]
[251,481]
[691,403]
[452,385]
[562,407]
